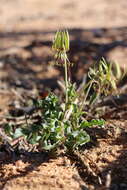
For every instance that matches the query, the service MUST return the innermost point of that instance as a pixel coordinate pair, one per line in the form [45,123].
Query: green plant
[61,123]
[103,80]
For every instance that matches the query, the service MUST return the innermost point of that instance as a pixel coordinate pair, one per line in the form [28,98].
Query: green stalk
[86,95]
[66,78]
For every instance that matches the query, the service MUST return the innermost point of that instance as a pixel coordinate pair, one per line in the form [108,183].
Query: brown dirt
[26,30]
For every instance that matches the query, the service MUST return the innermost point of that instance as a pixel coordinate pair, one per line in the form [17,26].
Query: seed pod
[66,40]
[61,41]
[54,41]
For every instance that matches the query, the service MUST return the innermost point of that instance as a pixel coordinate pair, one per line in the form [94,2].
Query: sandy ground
[17,15]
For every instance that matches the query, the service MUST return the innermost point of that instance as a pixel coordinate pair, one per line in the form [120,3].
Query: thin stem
[86,95]
[66,78]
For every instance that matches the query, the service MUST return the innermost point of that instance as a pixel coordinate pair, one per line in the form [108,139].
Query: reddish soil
[98,28]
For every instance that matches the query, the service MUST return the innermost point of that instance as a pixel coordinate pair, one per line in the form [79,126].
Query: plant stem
[66,79]
[86,95]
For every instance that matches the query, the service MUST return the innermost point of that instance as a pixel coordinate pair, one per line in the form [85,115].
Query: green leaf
[82,138]
[94,122]
[77,138]
[18,133]
[35,138]
[8,129]
[48,146]
[94,98]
